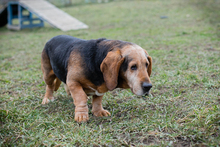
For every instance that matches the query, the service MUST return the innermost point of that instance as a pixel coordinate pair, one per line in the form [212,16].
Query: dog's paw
[81,116]
[101,113]
[46,100]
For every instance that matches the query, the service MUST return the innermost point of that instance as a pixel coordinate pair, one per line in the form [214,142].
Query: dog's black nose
[146,86]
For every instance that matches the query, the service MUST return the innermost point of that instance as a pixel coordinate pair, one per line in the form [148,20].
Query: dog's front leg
[97,108]
[80,101]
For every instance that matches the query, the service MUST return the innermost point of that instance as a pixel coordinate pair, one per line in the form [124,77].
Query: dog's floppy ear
[110,68]
[149,68]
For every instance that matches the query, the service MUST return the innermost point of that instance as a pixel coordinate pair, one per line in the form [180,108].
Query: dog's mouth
[140,92]
[146,93]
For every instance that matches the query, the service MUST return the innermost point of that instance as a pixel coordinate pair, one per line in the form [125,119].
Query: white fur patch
[134,84]
[96,92]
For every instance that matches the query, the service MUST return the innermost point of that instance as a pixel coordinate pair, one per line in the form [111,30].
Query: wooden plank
[53,15]
[39,4]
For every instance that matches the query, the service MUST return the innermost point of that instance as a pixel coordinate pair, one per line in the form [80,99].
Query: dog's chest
[99,91]
[94,92]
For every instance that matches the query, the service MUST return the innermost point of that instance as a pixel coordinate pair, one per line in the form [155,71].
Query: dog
[93,67]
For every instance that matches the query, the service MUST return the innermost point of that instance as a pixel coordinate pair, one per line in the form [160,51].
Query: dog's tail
[57,83]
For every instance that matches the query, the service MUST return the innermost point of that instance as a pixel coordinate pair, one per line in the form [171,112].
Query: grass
[182,110]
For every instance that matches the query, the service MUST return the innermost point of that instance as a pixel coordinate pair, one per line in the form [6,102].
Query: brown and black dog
[93,67]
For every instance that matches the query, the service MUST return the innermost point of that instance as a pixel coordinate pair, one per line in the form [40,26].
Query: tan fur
[149,69]
[57,83]
[49,78]
[110,68]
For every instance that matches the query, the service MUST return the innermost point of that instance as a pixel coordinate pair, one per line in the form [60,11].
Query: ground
[182,37]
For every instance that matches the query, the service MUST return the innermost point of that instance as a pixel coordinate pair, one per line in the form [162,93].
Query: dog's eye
[134,67]
[146,65]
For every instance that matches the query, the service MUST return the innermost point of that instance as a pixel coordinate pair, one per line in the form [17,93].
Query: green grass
[182,110]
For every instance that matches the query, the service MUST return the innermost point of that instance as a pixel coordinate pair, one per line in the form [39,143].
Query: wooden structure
[15,11]
[44,11]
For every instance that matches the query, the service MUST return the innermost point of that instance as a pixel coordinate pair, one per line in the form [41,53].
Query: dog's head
[129,67]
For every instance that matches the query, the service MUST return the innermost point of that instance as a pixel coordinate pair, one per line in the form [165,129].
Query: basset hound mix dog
[93,67]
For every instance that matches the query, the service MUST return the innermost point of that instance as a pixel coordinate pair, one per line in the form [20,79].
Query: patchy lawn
[182,37]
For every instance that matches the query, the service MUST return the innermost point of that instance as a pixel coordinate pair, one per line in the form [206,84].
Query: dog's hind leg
[49,78]
[57,83]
